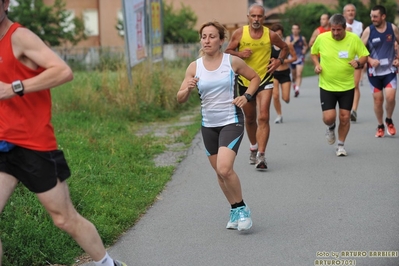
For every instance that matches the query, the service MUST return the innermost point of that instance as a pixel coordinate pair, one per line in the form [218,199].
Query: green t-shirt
[337,73]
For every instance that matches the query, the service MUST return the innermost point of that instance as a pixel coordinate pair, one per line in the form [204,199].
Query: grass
[114,179]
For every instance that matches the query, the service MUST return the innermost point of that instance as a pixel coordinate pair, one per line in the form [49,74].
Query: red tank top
[321,29]
[24,121]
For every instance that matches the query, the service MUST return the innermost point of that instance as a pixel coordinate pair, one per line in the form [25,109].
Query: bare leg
[276,97]
[329,117]
[378,106]
[250,121]
[7,187]
[344,124]
[390,98]
[285,91]
[59,205]
[356,97]
[228,180]
[262,134]
[298,78]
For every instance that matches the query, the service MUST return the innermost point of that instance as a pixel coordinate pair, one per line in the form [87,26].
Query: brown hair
[221,29]
[276,27]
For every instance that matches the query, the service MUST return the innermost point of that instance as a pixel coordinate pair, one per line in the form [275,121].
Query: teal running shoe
[244,218]
[233,223]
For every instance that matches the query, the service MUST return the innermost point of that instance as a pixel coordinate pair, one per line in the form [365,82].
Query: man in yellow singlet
[253,43]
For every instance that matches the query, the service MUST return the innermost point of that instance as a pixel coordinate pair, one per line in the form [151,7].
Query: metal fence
[93,57]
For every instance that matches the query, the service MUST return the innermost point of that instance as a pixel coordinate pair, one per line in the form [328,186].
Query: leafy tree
[307,16]
[273,3]
[179,25]
[53,24]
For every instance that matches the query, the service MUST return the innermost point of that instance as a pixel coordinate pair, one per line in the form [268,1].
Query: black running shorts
[329,99]
[37,170]
[229,136]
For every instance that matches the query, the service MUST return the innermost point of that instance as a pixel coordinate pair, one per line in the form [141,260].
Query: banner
[156,36]
[134,21]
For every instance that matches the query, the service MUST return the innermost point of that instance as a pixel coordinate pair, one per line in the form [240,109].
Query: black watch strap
[248,96]
[281,60]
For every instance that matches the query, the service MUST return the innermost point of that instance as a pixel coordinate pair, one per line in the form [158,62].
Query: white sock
[253,147]
[106,261]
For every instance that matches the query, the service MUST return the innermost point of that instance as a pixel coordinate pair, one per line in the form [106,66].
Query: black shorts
[282,76]
[229,136]
[37,170]
[265,84]
[329,99]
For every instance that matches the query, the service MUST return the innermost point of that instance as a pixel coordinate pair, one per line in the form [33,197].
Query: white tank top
[357,27]
[216,91]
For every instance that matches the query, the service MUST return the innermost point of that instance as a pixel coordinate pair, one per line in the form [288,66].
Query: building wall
[231,13]
[107,20]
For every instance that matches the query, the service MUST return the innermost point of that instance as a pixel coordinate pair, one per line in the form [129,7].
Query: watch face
[17,87]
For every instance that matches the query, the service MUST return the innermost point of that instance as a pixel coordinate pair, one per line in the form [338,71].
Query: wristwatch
[358,64]
[18,87]
[248,96]
[281,60]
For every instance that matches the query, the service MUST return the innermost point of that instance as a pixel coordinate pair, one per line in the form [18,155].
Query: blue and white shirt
[382,47]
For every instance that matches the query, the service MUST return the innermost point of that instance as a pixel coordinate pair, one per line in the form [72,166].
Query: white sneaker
[341,151]
[261,162]
[252,156]
[330,136]
[279,120]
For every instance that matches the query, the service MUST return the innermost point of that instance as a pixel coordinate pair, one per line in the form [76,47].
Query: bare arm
[189,83]
[241,68]
[292,53]
[316,63]
[315,33]
[276,40]
[33,54]
[365,37]
[305,45]
[233,45]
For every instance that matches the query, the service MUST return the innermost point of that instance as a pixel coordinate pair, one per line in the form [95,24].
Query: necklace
[5,31]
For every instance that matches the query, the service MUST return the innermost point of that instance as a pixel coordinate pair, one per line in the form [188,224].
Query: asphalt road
[309,208]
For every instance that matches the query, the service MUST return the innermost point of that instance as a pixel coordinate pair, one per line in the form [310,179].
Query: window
[90,17]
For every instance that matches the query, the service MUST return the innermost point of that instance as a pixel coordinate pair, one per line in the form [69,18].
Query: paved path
[309,200]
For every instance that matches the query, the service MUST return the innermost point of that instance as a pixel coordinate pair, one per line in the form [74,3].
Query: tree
[307,16]
[179,25]
[53,24]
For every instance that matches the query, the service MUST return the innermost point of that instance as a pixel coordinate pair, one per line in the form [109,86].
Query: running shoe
[252,156]
[391,130]
[119,263]
[279,120]
[261,162]
[296,92]
[233,222]
[353,116]
[380,132]
[341,151]
[330,136]
[244,218]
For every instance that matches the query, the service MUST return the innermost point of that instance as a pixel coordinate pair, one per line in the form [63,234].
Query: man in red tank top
[28,148]
[324,26]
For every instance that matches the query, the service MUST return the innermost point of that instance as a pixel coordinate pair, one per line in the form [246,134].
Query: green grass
[114,179]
